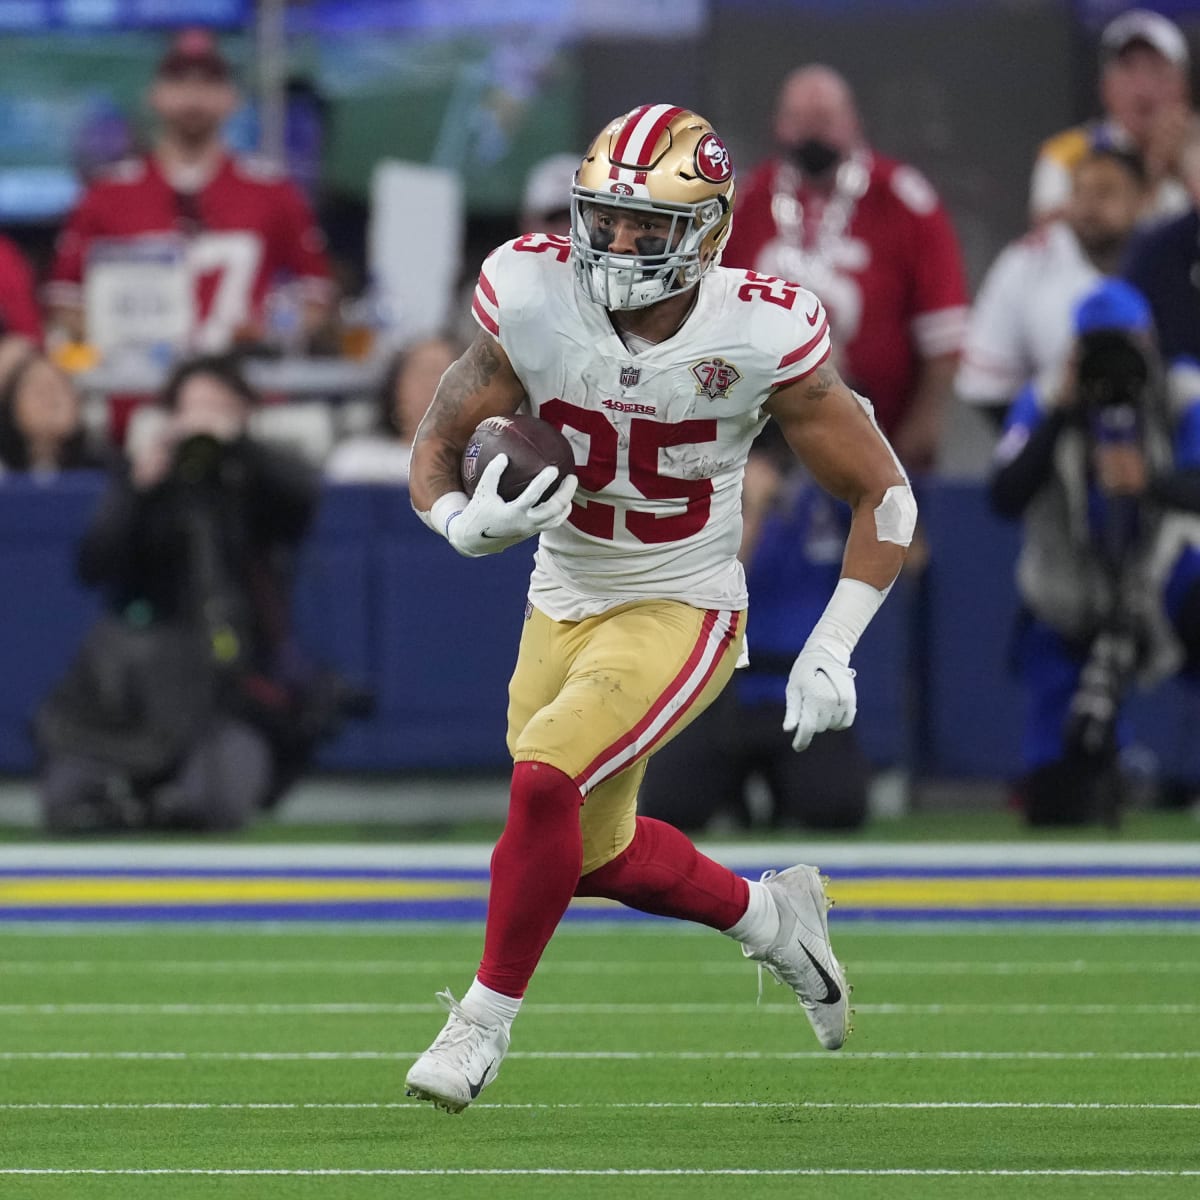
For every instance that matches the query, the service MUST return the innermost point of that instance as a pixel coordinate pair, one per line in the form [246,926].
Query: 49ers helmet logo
[712,159]
[621,189]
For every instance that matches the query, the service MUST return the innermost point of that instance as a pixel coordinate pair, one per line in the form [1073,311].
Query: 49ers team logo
[715,377]
[712,159]
[621,189]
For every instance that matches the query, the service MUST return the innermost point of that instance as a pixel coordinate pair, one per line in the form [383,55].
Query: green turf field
[990,1049]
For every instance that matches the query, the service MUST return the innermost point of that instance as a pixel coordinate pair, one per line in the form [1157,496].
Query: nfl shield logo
[630,376]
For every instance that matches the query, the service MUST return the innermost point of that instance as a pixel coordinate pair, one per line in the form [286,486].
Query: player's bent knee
[540,784]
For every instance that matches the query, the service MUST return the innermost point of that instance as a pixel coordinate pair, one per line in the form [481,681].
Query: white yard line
[539,1172]
[607,1055]
[391,931]
[409,966]
[357,1009]
[411,1106]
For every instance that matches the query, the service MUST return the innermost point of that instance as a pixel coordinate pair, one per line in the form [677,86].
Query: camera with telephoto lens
[197,458]
[1112,374]
[1091,728]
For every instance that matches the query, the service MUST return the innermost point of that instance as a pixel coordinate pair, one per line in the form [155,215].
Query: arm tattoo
[471,374]
[819,384]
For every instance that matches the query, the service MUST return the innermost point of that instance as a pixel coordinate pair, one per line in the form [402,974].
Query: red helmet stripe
[635,147]
[618,152]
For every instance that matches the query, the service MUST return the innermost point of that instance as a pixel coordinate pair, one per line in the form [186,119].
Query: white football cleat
[801,955]
[464,1058]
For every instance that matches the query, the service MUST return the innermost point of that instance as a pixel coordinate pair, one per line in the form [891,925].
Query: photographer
[184,708]
[1105,470]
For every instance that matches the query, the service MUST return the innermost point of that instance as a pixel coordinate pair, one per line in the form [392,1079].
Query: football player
[660,367]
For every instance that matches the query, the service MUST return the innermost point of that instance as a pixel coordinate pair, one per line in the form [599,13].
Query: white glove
[820,695]
[489,524]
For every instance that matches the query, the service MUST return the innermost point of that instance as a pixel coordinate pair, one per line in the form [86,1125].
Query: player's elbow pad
[896,515]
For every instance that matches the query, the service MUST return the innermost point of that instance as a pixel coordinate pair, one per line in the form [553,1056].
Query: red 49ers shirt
[885,264]
[246,228]
[18,305]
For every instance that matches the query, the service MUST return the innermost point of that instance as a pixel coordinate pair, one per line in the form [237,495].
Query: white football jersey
[1021,327]
[660,433]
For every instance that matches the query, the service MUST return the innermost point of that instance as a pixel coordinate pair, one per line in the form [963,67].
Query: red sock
[661,872]
[535,868]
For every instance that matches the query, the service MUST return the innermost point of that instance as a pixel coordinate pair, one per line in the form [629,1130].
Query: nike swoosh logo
[476,1088]
[833,993]
[812,316]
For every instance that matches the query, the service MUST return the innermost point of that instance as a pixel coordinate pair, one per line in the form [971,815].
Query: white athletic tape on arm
[444,509]
[896,516]
[847,614]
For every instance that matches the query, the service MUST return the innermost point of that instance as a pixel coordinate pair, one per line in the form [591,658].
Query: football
[531,445]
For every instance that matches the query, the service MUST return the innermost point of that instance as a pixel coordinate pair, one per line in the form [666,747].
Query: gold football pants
[595,698]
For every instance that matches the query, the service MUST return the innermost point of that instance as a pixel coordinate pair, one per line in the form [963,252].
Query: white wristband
[445,509]
[847,614]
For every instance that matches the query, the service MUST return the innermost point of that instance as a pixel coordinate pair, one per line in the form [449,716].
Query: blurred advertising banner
[39,16]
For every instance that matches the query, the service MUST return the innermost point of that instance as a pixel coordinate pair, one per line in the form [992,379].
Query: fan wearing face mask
[870,237]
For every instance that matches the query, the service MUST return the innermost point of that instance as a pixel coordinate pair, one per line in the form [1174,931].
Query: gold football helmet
[655,159]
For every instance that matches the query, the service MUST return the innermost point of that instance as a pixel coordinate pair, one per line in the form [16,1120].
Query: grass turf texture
[319,1025]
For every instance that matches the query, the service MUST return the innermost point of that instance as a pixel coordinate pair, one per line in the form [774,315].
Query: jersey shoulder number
[784,322]
[505,278]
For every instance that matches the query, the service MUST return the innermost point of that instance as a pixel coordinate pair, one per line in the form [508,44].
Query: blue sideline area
[435,635]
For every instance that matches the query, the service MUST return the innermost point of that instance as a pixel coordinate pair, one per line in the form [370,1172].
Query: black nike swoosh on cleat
[833,993]
[476,1088]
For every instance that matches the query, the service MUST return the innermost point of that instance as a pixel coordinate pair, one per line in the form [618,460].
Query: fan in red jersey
[18,305]
[235,226]
[870,237]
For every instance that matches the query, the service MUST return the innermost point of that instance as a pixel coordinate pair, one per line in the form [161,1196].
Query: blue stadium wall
[435,635]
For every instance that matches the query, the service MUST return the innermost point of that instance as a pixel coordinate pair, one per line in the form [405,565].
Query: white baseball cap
[548,185]
[1142,25]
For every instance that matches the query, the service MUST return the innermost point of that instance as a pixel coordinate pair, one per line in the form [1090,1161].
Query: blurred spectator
[1021,325]
[185,708]
[793,538]
[105,138]
[235,226]
[405,393]
[870,237]
[308,132]
[546,202]
[41,421]
[1105,471]
[19,313]
[342,215]
[15,348]
[1164,265]
[1144,64]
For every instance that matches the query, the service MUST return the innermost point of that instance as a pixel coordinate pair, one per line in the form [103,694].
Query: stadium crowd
[1092,385]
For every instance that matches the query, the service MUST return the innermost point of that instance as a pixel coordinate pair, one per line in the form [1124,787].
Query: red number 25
[646,439]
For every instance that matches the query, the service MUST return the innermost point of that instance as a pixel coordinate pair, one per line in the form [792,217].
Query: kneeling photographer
[1106,474]
[187,706]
